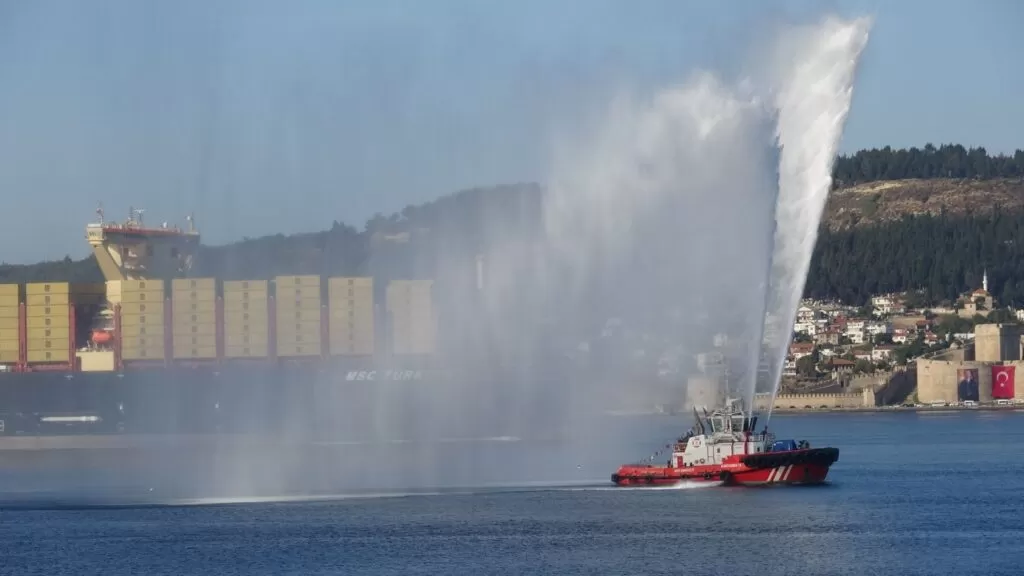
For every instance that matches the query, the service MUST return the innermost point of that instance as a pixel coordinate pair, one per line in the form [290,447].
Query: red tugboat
[724,447]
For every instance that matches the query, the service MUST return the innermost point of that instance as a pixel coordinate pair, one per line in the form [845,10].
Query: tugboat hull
[798,467]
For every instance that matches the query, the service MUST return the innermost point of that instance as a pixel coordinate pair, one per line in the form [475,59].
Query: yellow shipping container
[193,306]
[347,281]
[193,297]
[37,333]
[298,349]
[254,315]
[150,319]
[297,314]
[141,330]
[148,308]
[287,340]
[351,345]
[306,281]
[254,324]
[9,291]
[253,351]
[186,340]
[142,341]
[9,323]
[304,303]
[9,333]
[51,311]
[125,286]
[47,299]
[195,353]
[245,296]
[61,321]
[293,337]
[246,339]
[300,326]
[187,284]
[7,357]
[356,301]
[245,285]
[346,328]
[9,303]
[47,343]
[47,288]
[143,296]
[194,318]
[9,311]
[361,315]
[149,353]
[190,329]
[9,345]
[43,356]
[259,306]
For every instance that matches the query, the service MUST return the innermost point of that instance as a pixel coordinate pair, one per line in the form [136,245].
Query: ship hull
[312,401]
[798,467]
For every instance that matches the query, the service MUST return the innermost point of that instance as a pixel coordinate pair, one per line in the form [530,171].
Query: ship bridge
[131,251]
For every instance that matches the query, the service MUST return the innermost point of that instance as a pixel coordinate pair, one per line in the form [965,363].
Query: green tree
[863,366]
[806,366]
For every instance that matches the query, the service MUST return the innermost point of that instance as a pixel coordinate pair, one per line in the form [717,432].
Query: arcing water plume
[696,199]
[816,68]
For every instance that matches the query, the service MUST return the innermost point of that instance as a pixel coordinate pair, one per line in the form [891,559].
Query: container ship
[155,350]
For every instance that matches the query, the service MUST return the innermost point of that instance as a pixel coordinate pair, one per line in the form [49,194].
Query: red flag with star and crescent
[1002,382]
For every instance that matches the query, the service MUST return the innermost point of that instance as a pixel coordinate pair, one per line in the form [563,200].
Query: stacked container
[142,317]
[245,319]
[350,301]
[194,318]
[9,338]
[298,302]
[410,307]
[48,322]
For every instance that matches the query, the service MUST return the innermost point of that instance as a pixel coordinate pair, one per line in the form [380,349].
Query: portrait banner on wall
[967,384]
[1002,382]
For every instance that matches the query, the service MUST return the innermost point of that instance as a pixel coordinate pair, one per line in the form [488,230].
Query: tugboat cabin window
[716,424]
[737,423]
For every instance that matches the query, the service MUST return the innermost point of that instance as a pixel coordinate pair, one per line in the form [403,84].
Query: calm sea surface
[911,494]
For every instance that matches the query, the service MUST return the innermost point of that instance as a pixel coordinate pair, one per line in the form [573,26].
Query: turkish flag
[1002,382]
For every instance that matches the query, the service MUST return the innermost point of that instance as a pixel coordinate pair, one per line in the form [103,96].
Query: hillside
[930,219]
[889,201]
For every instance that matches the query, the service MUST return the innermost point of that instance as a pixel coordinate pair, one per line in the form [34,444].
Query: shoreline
[1017,408]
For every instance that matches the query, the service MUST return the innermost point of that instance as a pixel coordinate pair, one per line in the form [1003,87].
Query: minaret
[984,280]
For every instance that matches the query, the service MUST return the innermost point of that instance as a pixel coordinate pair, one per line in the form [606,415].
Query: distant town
[832,340]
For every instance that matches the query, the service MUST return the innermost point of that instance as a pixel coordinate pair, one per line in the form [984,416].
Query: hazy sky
[267,117]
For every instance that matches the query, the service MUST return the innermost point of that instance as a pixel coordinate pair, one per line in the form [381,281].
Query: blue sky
[266,117]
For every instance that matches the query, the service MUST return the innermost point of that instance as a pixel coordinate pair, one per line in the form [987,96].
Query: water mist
[702,205]
[679,228]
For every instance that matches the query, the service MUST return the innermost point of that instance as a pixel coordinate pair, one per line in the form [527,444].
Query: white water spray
[672,207]
[693,216]
[816,67]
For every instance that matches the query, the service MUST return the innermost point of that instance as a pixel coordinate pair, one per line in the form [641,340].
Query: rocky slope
[889,200]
